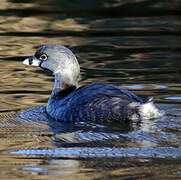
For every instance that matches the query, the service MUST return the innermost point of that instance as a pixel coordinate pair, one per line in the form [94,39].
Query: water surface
[138,50]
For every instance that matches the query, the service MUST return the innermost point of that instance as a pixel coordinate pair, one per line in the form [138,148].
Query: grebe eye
[43,57]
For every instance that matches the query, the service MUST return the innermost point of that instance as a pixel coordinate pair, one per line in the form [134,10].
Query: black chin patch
[40,64]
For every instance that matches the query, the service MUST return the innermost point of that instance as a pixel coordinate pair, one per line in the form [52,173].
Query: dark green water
[132,44]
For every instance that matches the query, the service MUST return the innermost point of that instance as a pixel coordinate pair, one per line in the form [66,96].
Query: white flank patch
[149,111]
[146,111]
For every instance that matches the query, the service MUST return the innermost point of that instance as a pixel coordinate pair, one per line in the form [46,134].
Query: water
[133,44]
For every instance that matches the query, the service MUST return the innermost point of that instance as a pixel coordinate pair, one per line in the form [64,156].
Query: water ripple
[158,152]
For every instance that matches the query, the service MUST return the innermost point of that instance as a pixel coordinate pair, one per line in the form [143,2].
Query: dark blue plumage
[96,102]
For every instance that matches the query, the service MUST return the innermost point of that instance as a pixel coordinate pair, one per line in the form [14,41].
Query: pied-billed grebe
[94,102]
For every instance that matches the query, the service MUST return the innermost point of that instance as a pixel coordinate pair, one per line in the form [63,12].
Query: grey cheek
[47,65]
